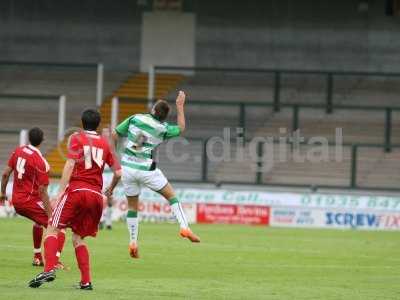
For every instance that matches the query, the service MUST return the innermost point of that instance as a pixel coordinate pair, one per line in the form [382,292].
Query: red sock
[50,251]
[82,257]
[61,241]
[37,233]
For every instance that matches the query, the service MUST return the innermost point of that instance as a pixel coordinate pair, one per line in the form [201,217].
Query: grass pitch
[232,262]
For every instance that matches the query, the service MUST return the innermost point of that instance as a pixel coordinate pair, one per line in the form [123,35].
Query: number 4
[96,154]
[20,167]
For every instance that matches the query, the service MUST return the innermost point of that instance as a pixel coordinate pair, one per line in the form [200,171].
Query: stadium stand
[215,103]
[8,140]
[302,88]
[378,169]
[359,126]
[135,87]
[79,86]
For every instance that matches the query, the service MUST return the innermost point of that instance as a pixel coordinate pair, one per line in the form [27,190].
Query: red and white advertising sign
[232,214]
[161,212]
[154,211]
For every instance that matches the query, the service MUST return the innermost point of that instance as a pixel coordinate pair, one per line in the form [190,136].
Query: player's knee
[167,192]
[51,230]
[133,202]
[77,240]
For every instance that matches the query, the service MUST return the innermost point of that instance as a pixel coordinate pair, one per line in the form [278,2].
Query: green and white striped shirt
[144,133]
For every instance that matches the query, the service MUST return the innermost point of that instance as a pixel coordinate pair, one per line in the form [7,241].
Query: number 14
[96,154]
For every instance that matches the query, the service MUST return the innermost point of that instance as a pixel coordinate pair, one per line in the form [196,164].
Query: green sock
[173,200]
[131,214]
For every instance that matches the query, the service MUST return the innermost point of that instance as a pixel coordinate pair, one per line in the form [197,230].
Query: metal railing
[329,76]
[242,108]
[99,67]
[352,177]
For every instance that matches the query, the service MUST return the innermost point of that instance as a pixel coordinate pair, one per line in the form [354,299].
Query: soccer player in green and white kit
[145,132]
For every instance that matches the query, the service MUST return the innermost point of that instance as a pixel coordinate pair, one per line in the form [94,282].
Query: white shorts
[133,180]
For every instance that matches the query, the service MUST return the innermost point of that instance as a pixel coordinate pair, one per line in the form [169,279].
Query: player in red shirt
[80,201]
[29,197]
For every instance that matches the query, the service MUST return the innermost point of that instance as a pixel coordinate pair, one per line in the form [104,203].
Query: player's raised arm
[180,104]
[4,181]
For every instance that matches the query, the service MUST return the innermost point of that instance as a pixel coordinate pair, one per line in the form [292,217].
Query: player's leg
[61,242]
[168,193]
[38,260]
[131,184]
[50,256]
[132,221]
[83,260]
[62,213]
[51,245]
[37,234]
[85,223]
[156,181]
[34,211]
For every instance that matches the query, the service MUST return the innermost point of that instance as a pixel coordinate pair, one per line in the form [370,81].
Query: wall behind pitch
[306,34]
[167,39]
[310,34]
[73,31]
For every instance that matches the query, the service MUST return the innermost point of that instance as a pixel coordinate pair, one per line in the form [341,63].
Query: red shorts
[80,210]
[32,209]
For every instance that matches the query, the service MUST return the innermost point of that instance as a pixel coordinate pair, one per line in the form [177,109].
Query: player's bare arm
[45,199]
[66,176]
[4,181]
[117,172]
[116,177]
[180,104]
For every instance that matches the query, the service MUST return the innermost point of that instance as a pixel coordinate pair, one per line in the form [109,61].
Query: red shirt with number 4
[31,170]
[91,152]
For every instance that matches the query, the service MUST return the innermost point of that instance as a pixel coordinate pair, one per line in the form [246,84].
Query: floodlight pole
[99,86]
[151,85]
[114,112]
[61,117]
[23,137]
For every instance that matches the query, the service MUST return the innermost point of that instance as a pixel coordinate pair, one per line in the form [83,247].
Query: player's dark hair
[161,110]
[90,119]
[35,136]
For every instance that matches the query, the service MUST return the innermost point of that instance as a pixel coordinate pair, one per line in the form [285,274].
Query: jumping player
[145,132]
[29,197]
[79,202]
